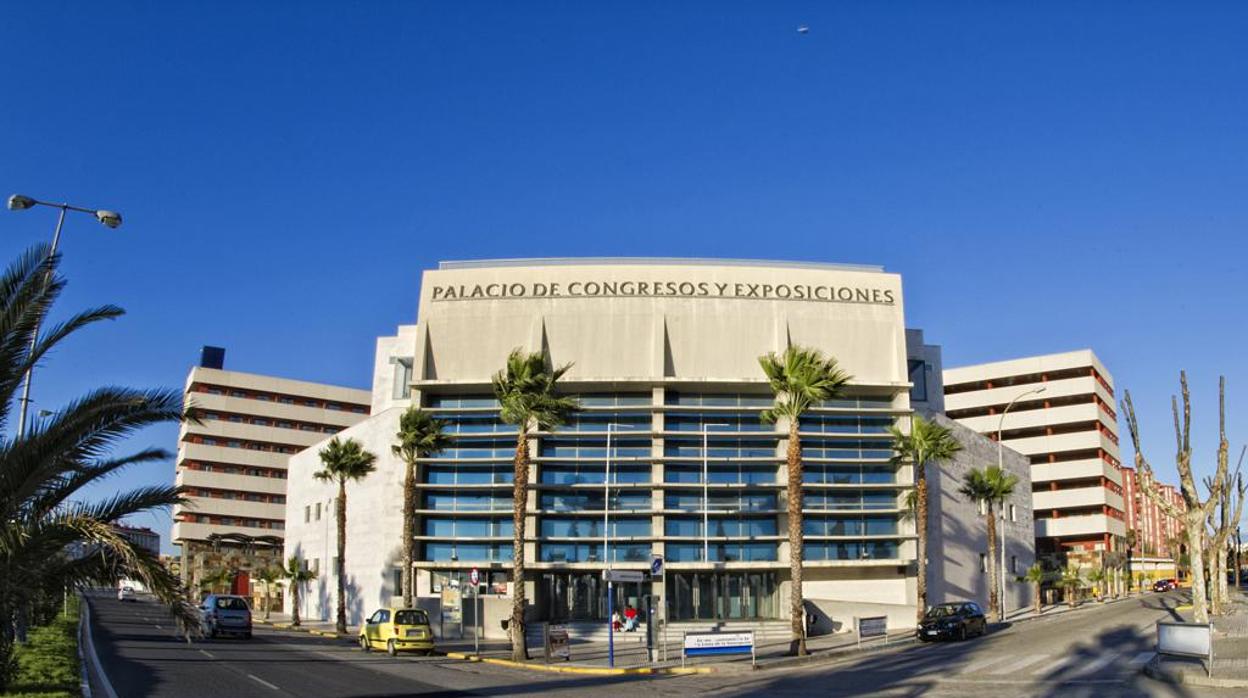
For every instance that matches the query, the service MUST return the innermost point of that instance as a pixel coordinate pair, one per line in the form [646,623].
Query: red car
[1165,585]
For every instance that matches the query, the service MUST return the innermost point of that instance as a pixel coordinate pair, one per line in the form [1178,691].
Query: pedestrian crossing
[1045,665]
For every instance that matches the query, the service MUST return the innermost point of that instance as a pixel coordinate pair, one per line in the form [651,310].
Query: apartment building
[1154,530]
[1061,416]
[232,462]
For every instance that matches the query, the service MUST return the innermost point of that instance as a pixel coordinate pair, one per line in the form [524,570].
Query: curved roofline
[672,261]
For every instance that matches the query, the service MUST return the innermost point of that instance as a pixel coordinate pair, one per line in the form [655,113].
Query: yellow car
[397,629]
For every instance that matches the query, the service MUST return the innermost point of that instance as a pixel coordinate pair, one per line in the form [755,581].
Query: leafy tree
[268,576]
[343,462]
[45,472]
[800,378]
[296,575]
[419,436]
[1071,581]
[528,397]
[1036,576]
[927,442]
[219,579]
[1097,577]
[989,488]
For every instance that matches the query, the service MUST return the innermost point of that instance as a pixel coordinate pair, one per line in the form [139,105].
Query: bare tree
[1197,511]
[1230,508]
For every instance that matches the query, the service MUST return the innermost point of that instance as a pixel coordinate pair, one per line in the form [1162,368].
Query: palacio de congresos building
[664,358]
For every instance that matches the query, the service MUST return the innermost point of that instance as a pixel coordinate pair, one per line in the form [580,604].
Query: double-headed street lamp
[1001,467]
[19,202]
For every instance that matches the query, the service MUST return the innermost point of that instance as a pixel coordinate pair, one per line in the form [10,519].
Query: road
[1092,652]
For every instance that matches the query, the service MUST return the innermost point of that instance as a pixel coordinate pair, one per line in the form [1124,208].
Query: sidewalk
[1230,653]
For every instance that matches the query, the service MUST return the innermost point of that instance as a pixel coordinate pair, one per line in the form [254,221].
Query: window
[918,380]
[286,400]
[316,564]
[260,422]
[1013,513]
[1013,564]
[335,567]
[396,577]
[307,514]
[983,563]
[402,378]
[318,511]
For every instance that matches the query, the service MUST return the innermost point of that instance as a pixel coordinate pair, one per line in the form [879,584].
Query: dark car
[1165,585]
[952,621]
[225,615]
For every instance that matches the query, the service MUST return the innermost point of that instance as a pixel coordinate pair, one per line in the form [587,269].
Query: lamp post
[18,202]
[706,490]
[1001,466]
[606,551]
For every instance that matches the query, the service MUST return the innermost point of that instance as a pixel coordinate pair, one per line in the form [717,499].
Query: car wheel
[364,644]
[391,649]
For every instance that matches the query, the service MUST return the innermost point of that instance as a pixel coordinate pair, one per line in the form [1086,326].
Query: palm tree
[296,575]
[801,378]
[527,398]
[221,578]
[343,461]
[420,436]
[1097,577]
[927,442]
[1036,576]
[989,488]
[44,472]
[268,576]
[1071,582]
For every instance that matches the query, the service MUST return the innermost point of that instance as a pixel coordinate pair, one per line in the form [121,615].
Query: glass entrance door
[722,595]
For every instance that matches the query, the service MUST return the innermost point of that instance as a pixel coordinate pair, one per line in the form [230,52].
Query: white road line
[1141,659]
[262,682]
[976,666]
[207,654]
[158,626]
[1016,666]
[1059,664]
[91,653]
[1099,663]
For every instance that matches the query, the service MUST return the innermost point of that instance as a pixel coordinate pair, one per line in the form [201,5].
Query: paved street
[1092,652]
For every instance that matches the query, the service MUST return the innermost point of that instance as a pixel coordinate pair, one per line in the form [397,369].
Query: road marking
[95,658]
[1141,659]
[207,654]
[262,682]
[158,626]
[975,666]
[1055,666]
[1015,666]
[1099,663]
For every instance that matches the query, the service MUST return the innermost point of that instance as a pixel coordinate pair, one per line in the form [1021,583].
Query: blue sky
[1044,178]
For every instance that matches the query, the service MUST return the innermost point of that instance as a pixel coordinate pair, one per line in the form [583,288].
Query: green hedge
[47,665]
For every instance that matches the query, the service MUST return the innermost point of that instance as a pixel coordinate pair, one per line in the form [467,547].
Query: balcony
[1075,470]
[233,456]
[275,410]
[1083,385]
[1027,419]
[232,507]
[1076,498]
[1071,526]
[183,530]
[223,481]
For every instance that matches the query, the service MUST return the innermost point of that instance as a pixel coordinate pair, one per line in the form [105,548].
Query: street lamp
[606,552]
[1001,466]
[19,202]
[706,490]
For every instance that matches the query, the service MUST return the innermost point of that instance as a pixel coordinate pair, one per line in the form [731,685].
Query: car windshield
[942,611]
[411,618]
[231,603]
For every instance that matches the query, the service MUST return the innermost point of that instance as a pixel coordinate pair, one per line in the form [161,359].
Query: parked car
[950,621]
[224,614]
[1165,585]
[126,594]
[397,629]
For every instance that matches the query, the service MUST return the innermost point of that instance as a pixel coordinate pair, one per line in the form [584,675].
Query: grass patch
[47,665]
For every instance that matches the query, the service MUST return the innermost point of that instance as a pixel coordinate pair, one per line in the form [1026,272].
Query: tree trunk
[409,534]
[994,597]
[294,603]
[519,510]
[1035,590]
[797,608]
[341,625]
[268,599]
[920,529]
[1195,521]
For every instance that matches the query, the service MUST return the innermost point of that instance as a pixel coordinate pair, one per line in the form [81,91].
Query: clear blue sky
[1044,178]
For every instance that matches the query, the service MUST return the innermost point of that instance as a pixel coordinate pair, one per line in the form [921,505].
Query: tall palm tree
[419,436]
[44,472]
[221,578]
[1035,575]
[343,462]
[800,378]
[927,442]
[1071,581]
[527,395]
[989,488]
[296,575]
[268,576]
[1097,577]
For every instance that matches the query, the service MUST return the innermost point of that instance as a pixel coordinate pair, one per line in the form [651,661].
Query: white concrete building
[232,463]
[1066,424]
[665,355]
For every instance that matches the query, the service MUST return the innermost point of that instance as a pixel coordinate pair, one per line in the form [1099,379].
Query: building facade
[667,457]
[1155,531]
[1064,421]
[232,462]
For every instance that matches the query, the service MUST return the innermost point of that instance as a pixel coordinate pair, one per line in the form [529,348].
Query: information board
[557,642]
[705,644]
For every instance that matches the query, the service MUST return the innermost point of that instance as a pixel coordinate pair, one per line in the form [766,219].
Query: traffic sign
[624,575]
[475,576]
[656,565]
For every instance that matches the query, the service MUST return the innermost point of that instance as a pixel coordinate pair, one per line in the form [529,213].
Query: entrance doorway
[564,596]
[722,595]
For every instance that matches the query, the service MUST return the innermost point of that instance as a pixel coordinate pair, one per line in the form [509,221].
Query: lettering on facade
[664,289]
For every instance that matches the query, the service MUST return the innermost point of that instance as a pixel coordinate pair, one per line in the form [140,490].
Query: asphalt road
[1093,652]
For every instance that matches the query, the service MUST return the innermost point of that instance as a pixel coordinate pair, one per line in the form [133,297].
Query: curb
[595,671]
[84,683]
[1189,678]
[299,629]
